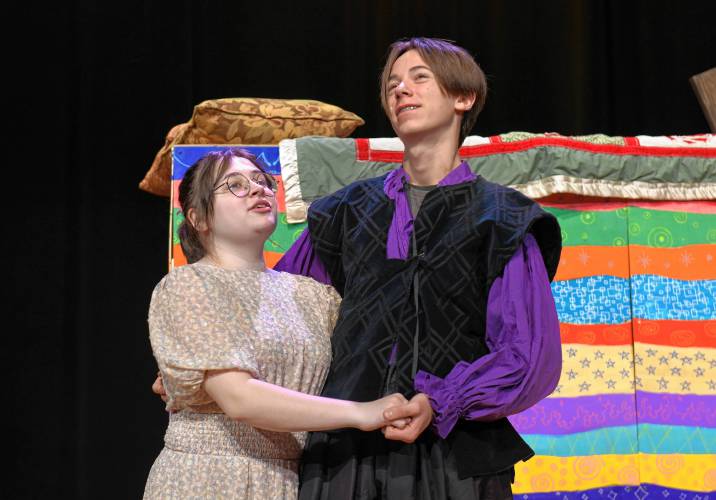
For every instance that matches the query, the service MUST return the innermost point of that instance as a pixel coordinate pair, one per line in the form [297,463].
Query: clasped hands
[406,419]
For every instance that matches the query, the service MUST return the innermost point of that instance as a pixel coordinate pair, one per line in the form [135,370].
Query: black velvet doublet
[464,235]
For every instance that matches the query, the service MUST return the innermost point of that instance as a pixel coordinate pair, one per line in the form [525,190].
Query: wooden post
[704,85]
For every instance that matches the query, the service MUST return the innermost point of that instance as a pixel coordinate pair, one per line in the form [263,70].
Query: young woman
[241,348]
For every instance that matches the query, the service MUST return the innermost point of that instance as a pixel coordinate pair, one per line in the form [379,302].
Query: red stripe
[362,149]
[596,334]
[676,333]
[573,201]
[631,147]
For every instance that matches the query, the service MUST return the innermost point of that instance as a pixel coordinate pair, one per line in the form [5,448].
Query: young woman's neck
[428,160]
[235,258]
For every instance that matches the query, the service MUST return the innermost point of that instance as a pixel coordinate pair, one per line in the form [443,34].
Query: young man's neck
[428,160]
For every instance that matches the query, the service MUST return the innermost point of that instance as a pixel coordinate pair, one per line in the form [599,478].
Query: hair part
[196,193]
[454,68]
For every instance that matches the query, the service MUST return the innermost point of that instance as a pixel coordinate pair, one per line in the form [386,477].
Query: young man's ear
[465,102]
[200,226]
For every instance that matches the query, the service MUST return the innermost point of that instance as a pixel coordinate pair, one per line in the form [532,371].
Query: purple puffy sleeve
[301,259]
[525,358]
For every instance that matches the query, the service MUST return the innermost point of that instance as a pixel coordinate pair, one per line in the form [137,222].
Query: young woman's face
[416,103]
[244,212]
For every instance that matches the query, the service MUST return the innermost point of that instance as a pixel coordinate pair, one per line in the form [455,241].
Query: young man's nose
[403,88]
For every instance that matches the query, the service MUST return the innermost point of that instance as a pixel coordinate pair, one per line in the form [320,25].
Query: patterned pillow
[248,121]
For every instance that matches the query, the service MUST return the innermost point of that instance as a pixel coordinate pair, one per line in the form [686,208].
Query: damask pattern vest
[431,307]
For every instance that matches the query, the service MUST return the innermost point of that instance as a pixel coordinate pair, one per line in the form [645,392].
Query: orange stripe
[272,258]
[691,262]
[280,194]
[676,333]
[580,261]
[178,256]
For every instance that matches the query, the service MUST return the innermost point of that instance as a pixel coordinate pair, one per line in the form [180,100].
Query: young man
[446,299]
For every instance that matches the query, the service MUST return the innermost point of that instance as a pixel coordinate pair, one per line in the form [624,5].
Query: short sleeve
[194,327]
[334,306]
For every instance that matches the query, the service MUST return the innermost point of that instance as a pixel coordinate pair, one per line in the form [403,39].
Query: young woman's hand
[370,414]
[158,387]
[419,415]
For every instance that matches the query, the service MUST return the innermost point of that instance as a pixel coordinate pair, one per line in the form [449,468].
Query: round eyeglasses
[240,185]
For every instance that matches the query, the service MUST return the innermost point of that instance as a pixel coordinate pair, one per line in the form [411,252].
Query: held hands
[417,415]
[371,415]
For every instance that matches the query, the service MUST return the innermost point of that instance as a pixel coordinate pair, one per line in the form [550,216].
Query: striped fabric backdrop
[634,414]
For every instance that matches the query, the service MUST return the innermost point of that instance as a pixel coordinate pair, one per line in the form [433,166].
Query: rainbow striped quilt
[634,414]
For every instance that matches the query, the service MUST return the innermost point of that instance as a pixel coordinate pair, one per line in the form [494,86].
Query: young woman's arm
[276,408]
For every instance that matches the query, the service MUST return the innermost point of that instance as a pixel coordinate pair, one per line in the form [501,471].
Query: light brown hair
[454,68]
[196,191]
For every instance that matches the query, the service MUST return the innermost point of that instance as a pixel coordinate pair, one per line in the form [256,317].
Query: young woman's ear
[199,225]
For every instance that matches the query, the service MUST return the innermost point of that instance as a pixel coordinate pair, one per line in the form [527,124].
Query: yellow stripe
[589,370]
[543,474]
[676,370]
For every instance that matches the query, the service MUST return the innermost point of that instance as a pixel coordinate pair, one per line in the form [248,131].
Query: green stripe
[284,235]
[177,219]
[655,228]
[327,164]
[280,240]
[608,228]
[625,440]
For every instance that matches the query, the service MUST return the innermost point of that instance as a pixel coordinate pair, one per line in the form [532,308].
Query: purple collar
[402,224]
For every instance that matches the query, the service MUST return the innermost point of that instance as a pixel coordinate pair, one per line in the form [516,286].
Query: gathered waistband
[217,434]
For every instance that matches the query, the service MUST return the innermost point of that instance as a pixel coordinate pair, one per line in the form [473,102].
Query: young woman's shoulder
[309,286]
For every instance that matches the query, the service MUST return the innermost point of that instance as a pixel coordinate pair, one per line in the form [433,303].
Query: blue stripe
[658,297]
[184,157]
[593,300]
[642,492]
[607,300]
[628,439]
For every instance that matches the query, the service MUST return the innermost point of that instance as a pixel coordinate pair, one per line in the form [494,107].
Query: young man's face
[417,106]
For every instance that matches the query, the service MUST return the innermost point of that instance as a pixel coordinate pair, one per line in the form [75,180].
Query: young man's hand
[417,412]
[158,387]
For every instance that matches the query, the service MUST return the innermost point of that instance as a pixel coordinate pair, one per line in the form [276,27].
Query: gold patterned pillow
[248,121]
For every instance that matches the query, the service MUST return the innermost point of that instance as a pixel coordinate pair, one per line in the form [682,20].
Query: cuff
[445,403]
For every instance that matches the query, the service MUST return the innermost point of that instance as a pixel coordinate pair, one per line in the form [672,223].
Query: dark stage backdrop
[95,88]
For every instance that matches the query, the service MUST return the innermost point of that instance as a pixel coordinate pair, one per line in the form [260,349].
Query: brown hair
[455,70]
[196,191]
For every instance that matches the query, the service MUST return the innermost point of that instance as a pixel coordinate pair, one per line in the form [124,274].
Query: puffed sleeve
[194,327]
[334,306]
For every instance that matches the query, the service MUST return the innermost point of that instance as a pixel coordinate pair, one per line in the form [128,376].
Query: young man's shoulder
[352,192]
[503,196]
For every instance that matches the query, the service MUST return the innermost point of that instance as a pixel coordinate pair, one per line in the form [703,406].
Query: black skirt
[360,465]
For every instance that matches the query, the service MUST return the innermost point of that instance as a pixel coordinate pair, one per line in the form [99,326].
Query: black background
[95,86]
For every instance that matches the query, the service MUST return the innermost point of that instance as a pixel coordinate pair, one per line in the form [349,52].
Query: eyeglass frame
[225,182]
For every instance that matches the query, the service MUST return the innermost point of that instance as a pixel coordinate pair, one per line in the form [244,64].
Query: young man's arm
[302,259]
[525,359]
